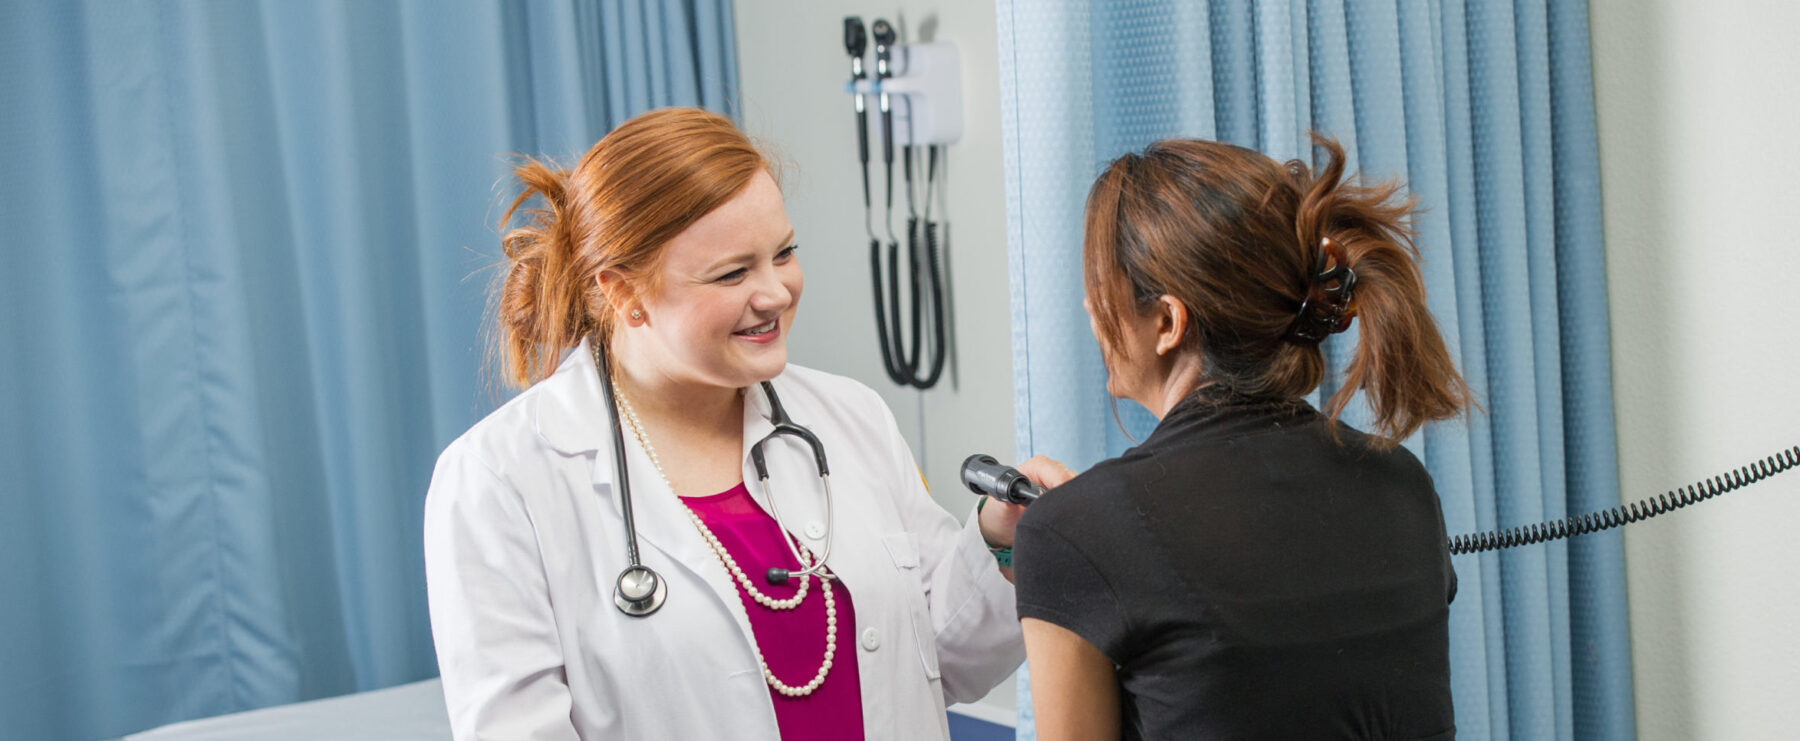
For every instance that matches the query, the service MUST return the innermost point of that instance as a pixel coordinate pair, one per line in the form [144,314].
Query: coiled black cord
[933,267]
[919,363]
[935,270]
[1594,522]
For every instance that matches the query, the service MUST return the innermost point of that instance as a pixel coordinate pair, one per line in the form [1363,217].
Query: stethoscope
[640,591]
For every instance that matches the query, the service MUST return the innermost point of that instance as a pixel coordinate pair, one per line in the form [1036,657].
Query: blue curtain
[1486,110]
[241,296]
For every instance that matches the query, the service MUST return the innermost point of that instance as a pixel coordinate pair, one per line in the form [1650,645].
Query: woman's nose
[772,293]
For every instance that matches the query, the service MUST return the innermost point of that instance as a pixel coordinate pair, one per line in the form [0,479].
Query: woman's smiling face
[728,287]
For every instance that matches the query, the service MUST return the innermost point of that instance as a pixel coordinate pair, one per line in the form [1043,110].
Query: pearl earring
[636,314]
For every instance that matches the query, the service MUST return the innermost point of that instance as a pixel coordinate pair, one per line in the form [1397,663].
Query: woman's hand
[999,519]
[1046,472]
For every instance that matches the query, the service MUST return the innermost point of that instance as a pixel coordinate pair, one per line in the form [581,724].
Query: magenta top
[792,641]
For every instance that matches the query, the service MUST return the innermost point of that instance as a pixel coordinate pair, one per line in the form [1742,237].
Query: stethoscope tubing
[813,567]
[639,590]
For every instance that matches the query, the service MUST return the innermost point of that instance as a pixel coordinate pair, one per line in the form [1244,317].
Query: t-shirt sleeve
[1058,582]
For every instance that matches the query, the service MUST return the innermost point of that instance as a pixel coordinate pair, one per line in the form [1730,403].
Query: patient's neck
[1178,375]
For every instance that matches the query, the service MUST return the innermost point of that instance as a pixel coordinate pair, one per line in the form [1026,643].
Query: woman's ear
[1172,322]
[623,299]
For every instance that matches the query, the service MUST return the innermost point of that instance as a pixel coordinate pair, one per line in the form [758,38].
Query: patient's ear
[1172,322]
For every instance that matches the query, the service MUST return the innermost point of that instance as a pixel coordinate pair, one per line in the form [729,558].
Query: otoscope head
[985,475]
[979,473]
[884,32]
[856,40]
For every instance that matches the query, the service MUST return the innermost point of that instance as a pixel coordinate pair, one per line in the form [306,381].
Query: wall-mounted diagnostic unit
[917,92]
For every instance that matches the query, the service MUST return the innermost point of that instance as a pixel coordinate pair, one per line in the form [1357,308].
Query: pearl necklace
[825,576]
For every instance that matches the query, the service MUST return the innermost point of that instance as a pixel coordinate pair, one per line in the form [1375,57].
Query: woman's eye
[733,276]
[787,253]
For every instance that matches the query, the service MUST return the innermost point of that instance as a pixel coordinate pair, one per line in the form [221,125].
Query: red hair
[638,187]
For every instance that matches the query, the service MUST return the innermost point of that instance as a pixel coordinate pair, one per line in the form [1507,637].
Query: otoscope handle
[862,143]
[985,475]
[856,40]
[887,138]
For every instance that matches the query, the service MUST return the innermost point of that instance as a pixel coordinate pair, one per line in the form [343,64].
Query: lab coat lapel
[573,417]
[663,524]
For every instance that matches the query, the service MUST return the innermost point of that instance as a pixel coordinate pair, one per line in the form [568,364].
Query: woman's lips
[773,331]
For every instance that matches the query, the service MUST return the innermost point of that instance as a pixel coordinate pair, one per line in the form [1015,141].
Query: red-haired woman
[660,278]
[1255,568]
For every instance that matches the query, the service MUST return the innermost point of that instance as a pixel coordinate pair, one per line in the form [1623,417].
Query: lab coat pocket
[905,552]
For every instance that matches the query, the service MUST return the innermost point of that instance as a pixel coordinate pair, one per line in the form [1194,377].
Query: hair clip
[1326,308]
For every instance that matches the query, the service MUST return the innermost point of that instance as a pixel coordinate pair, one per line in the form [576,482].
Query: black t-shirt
[1252,577]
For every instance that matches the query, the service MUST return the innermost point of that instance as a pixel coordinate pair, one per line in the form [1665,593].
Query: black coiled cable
[933,268]
[1628,513]
[919,363]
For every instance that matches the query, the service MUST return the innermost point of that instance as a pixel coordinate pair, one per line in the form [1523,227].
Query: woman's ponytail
[1400,363]
[540,300]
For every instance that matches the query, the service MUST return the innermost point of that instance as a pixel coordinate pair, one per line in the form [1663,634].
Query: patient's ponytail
[1400,362]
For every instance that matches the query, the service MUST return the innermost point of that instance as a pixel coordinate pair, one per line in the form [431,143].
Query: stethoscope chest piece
[640,591]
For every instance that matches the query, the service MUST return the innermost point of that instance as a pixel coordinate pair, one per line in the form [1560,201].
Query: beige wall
[1698,103]
[791,68]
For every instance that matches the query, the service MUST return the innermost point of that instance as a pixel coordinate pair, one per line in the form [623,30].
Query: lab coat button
[871,639]
[815,530]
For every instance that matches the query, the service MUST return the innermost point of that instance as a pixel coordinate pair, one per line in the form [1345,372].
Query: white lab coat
[524,540]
